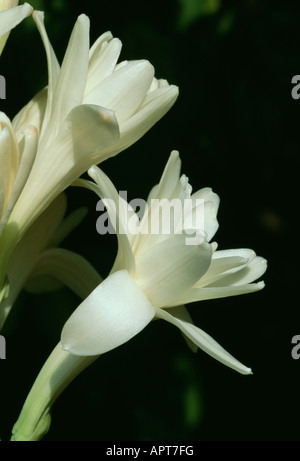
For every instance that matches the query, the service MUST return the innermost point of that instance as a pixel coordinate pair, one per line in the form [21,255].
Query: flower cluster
[93,108]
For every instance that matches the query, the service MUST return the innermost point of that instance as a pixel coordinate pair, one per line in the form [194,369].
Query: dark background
[236,126]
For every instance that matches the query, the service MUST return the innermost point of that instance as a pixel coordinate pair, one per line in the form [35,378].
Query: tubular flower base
[154,275]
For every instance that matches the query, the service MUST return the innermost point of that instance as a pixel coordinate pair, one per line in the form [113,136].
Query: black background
[236,126]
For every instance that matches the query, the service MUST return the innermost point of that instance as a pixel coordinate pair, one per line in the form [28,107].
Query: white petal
[211,204]
[219,266]
[71,269]
[10,18]
[95,49]
[9,159]
[211,224]
[86,131]
[161,194]
[3,195]
[5,4]
[169,178]
[102,62]
[114,312]
[147,116]
[118,212]
[245,253]
[201,294]
[141,121]
[106,190]
[29,147]
[124,90]
[205,342]
[53,67]
[31,114]
[181,313]
[72,79]
[207,194]
[158,93]
[9,151]
[246,274]
[168,269]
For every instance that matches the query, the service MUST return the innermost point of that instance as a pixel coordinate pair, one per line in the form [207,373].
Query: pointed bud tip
[175,154]
[83,19]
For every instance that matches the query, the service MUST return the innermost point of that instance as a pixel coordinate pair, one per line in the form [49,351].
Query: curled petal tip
[28,7]
[260,285]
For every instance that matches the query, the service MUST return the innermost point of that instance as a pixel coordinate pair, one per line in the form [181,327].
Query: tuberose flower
[92,109]
[154,275]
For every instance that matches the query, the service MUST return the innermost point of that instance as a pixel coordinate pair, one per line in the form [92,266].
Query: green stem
[57,373]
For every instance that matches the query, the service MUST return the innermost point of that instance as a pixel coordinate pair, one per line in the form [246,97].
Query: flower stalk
[57,373]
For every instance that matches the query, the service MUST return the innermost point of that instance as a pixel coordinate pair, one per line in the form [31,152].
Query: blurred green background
[237,129]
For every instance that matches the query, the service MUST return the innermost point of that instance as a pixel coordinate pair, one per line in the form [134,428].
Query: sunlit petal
[85,132]
[103,59]
[112,314]
[124,90]
[69,89]
[168,269]
[201,294]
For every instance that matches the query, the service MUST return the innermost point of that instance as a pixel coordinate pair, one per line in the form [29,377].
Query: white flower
[92,109]
[155,275]
[152,277]
[10,16]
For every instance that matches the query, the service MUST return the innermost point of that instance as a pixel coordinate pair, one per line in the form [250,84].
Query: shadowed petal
[66,267]
[181,313]
[204,342]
